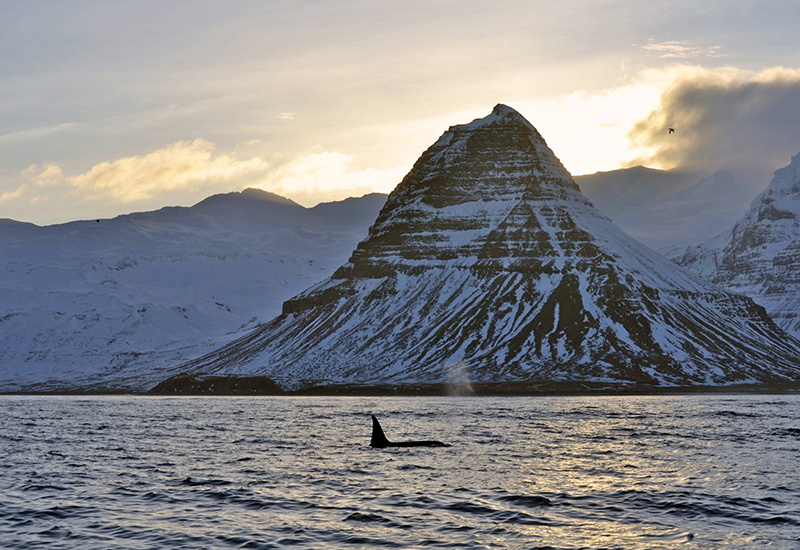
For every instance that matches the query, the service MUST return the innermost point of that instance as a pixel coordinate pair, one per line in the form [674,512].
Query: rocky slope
[760,255]
[488,264]
[111,302]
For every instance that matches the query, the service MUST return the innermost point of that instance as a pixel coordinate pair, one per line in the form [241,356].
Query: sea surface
[712,471]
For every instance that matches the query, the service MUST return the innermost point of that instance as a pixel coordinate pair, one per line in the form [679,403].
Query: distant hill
[84,301]
[668,210]
[615,191]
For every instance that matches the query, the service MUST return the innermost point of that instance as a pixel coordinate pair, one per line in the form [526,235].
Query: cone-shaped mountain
[488,261]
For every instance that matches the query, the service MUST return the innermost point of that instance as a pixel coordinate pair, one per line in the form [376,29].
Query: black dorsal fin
[378,437]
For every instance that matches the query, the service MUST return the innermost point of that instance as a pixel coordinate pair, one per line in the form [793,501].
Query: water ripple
[547,472]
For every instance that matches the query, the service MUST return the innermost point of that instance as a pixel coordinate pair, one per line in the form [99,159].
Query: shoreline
[261,386]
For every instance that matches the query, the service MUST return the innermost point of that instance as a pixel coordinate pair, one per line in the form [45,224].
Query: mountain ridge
[758,256]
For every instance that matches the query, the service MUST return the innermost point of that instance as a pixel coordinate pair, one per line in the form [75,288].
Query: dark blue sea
[713,471]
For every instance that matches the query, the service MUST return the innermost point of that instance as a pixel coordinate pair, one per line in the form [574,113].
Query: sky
[109,107]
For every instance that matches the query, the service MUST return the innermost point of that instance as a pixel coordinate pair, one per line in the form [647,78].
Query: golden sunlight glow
[590,132]
[173,167]
[329,175]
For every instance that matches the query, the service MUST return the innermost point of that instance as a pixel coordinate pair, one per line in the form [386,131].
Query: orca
[379,440]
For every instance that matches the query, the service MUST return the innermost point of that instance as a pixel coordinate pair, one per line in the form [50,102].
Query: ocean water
[713,471]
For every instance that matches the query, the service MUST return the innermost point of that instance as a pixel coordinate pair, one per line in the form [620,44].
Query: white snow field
[112,303]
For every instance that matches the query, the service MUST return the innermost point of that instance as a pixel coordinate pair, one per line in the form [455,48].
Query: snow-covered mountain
[668,210]
[487,262]
[112,302]
[760,255]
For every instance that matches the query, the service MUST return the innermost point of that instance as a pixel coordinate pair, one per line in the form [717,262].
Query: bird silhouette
[672,130]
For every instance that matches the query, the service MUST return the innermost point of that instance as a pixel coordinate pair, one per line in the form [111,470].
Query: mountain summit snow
[487,262]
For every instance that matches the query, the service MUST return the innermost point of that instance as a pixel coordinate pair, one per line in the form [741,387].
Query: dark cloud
[725,119]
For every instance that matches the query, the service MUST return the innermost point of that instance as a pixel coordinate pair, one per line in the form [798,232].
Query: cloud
[724,117]
[589,131]
[35,132]
[46,176]
[286,116]
[329,175]
[681,49]
[193,169]
[9,196]
[182,165]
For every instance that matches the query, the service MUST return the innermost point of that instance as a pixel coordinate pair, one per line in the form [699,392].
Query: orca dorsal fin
[378,437]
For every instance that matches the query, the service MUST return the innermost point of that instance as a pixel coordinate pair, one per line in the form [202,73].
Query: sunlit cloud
[724,117]
[590,131]
[681,49]
[192,166]
[9,196]
[45,176]
[34,133]
[324,176]
[178,166]
[343,76]
[720,114]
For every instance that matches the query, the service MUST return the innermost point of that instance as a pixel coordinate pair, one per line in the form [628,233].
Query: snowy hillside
[760,255]
[108,302]
[488,263]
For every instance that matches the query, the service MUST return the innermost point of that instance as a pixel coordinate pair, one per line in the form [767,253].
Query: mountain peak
[505,138]
[502,109]
[256,198]
[504,112]
[723,173]
[722,180]
[487,258]
[266,196]
[501,114]
[461,189]
[783,192]
[789,175]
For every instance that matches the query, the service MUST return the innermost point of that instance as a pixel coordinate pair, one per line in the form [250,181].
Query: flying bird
[672,130]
